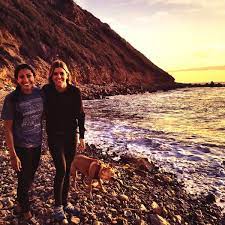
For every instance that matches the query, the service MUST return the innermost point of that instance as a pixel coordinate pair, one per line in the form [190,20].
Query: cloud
[200,69]
[82,3]
[155,6]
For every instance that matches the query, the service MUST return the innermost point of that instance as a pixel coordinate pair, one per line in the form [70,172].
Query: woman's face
[25,80]
[59,77]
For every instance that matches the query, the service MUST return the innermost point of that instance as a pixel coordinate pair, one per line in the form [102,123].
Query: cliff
[38,32]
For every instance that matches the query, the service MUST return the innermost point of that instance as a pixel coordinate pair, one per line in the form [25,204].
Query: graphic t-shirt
[26,112]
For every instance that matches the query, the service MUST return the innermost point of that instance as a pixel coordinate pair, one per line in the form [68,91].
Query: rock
[137,199]
[109,215]
[8,203]
[127,213]
[97,223]
[178,219]
[158,220]
[164,211]
[113,211]
[123,197]
[114,194]
[142,222]
[143,208]
[1,205]
[167,179]
[156,209]
[120,221]
[210,198]
[75,220]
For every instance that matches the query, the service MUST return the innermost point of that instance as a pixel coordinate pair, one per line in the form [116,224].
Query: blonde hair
[59,64]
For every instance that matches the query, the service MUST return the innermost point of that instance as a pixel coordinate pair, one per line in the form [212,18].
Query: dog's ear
[102,164]
[109,165]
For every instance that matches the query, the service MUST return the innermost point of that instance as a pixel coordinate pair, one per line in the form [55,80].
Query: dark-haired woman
[64,113]
[22,114]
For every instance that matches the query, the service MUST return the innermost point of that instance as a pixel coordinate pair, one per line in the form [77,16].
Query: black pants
[62,148]
[29,158]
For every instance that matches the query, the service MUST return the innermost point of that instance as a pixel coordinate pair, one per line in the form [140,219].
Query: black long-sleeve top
[63,110]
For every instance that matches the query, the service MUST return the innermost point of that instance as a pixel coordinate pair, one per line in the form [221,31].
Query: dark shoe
[17,210]
[59,215]
[32,221]
[71,210]
[26,217]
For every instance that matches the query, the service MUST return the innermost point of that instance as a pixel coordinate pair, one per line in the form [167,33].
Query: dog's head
[106,172]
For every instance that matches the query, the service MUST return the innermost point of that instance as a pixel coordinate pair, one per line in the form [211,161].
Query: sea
[182,131]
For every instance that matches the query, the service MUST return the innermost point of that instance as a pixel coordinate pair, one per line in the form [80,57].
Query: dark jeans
[62,148]
[29,158]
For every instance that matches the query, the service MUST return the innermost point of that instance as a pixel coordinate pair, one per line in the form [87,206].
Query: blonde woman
[64,114]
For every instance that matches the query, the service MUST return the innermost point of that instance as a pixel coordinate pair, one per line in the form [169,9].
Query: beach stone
[123,197]
[1,205]
[178,219]
[127,213]
[97,223]
[164,211]
[167,179]
[114,194]
[142,222]
[8,202]
[143,208]
[136,198]
[109,215]
[113,211]
[198,213]
[93,216]
[155,208]
[210,198]
[75,220]
[13,193]
[99,197]
[135,188]
[120,221]
[158,220]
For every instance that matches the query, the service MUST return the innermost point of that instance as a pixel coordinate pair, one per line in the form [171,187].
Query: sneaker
[32,221]
[17,210]
[59,215]
[70,209]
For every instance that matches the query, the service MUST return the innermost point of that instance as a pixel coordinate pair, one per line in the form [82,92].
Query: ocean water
[182,130]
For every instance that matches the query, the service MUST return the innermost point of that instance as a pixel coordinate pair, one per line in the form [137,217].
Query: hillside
[38,32]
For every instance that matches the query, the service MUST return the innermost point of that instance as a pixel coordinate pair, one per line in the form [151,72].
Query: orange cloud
[200,69]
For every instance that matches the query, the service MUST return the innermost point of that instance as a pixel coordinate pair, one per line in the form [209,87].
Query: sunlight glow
[173,34]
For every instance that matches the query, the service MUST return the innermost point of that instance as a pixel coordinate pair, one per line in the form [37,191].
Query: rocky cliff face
[38,32]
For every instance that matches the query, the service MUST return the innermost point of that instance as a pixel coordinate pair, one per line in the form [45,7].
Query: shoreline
[91,91]
[94,91]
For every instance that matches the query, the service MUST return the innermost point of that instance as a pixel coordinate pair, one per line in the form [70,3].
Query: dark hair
[21,67]
[59,64]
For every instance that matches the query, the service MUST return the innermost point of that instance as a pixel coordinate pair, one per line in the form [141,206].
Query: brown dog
[92,169]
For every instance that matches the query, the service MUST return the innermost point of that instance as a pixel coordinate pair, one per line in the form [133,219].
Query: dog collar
[97,172]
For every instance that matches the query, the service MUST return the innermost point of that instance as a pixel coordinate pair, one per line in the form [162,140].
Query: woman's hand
[16,164]
[81,145]
[15,161]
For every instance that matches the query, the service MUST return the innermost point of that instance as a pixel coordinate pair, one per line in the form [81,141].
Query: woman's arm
[81,121]
[16,164]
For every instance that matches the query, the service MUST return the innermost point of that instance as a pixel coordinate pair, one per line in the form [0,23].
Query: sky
[186,38]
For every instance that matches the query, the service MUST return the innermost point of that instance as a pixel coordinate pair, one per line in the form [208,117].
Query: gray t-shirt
[26,112]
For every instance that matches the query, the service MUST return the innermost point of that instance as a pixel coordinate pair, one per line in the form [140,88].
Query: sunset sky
[184,37]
